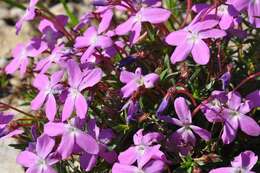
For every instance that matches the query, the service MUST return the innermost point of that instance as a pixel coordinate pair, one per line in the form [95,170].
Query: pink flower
[134,80]
[42,160]
[21,53]
[185,133]
[235,117]
[92,40]
[29,15]
[50,32]
[190,39]
[47,90]
[134,23]
[72,135]
[78,81]
[243,163]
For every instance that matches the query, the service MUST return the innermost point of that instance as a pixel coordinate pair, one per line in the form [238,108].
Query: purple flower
[163,105]
[55,57]
[235,117]
[50,33]
[214,107]
[243,163]
[143,149]
[29,15]
[252,9]
[5,130]
[134,23]
[154,166]
[78,81]
[133,109]
[42,160]
[185,133]
[134,80]
[190,39]
[21,53]
[225,79]
[47,90]
[103,137]
[254,99]
[72,136]
[227,14]
[92,40]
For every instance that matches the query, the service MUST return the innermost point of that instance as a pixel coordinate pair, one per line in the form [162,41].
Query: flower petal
[88,161]
[154,15]
[81,106]
[54,129]
[44,145]
[87,143]
[200,52]
[68,107]
[27,159]
[249,125]
[50,107]
[182,110]
[181,52]
[204,134]
[177,37]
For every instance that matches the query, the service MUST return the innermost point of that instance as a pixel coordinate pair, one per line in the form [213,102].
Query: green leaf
[73,19]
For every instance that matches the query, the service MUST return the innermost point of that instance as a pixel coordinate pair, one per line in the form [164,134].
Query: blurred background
[9,13]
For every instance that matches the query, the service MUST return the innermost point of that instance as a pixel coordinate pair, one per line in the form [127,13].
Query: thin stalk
[17,110]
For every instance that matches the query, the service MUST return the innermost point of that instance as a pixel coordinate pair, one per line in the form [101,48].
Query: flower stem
[18,110]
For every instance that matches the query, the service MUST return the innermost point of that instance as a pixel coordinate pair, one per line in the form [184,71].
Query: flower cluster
[100,81]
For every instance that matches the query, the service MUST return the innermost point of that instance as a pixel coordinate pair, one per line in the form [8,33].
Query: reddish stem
[252,76]
[18,110]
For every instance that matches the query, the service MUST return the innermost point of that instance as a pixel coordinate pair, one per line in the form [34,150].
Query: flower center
[94,39]
[193,37]
[139,171]
[74,92]
[140,81]
[141,149]
[72,130]
[138,18]
[42,164]
[234,113]
[223,9]
[240,170]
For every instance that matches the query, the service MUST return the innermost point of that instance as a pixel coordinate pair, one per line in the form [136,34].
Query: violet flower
[54,58]
[103,137]
[78,81]
[254,99]
[47,90]
[154,166]
[225,79]
[226,13]
[185,133]
[252,9]
[29,15]
[133,109]
[50,33]
[21,53]
[5,130]
[72,136]
[134,23]
[92,39]
[143,149]
[243,163]
[213,109]
[134,80]
[42,160]
[190,39]
[235,117]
